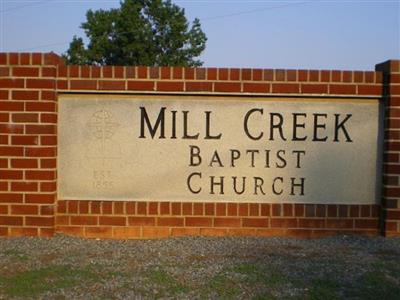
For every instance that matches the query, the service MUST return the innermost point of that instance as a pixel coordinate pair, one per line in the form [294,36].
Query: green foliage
[140,32]
[34,282]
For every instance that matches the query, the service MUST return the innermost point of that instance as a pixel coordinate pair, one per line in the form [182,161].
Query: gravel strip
[200,267]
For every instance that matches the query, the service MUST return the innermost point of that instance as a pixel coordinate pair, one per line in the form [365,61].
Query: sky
[319,34]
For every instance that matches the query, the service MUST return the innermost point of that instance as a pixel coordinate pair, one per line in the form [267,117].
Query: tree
[140,32]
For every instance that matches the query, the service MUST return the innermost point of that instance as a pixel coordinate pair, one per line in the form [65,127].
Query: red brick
[198,221]
[232,209]
[209,209]
[10,174]
[153,208]
[40,83]
[196,86]
[40,106]
[313,75]
[280,75]
[83,207]
[13,221]
[284,222]
[25,58]
[24,186]
[111,85]
[187,209]
[25,118]
[170,86]
[367,223]
[254,209]
[119,71]
[39,221]
[48,140]
[325,76]
[119,208]
[189,73]
[299,210]
[126,232]
[340,223]
[83,84]
[48,95]
[221,209]
[141,208]
[40,198]
[141,85]
[154,72]
[11,128]
[11,106]
[285,88]
[255,222]
[107,71]
[314,88]
[246,74]
[311,223]
[3,209]
[142,72]
[256,87]
[336,76]
[40,152]
[47,210]
[198,209]
[49,72]
[227,222]
[265,210]
[48,186]
[4,117]
[155,232]
[176,208]
[215,232]
[227,87]
[211,73]
[164,208]
[95,71]
[200,73]
[257,74]
[24,140]
[106,208]
[48,118]
[10,198]
[112,221]
[13,58]
[11,83]
[342,89]
[141,221]
[98,232]
[3,58]
[172,221]
[165,72]
[276,210]
[268,75]
[393,214]
[25,95]
[95,207]
[24,209]
[370,90]
[11,151]
[177,72]
[234,74]
[25,72]
[185,231]
[40,175]
[62,84]
[243,209]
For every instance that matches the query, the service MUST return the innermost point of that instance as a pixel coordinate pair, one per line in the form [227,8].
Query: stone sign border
[29,88]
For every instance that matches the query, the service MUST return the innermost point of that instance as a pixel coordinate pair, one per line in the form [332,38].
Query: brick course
[30,82]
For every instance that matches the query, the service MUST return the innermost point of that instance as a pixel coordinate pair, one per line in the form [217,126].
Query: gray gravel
[194,268]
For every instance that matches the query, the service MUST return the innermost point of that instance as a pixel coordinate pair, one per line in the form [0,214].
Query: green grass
[166,283]
[34,282]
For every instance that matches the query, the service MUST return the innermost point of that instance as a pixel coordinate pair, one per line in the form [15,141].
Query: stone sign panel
[236,149]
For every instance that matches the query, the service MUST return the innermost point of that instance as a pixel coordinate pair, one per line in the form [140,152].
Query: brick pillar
[28,143]
[391,170]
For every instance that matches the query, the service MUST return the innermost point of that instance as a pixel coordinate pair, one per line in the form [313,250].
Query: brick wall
[30,82]
[391,169]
